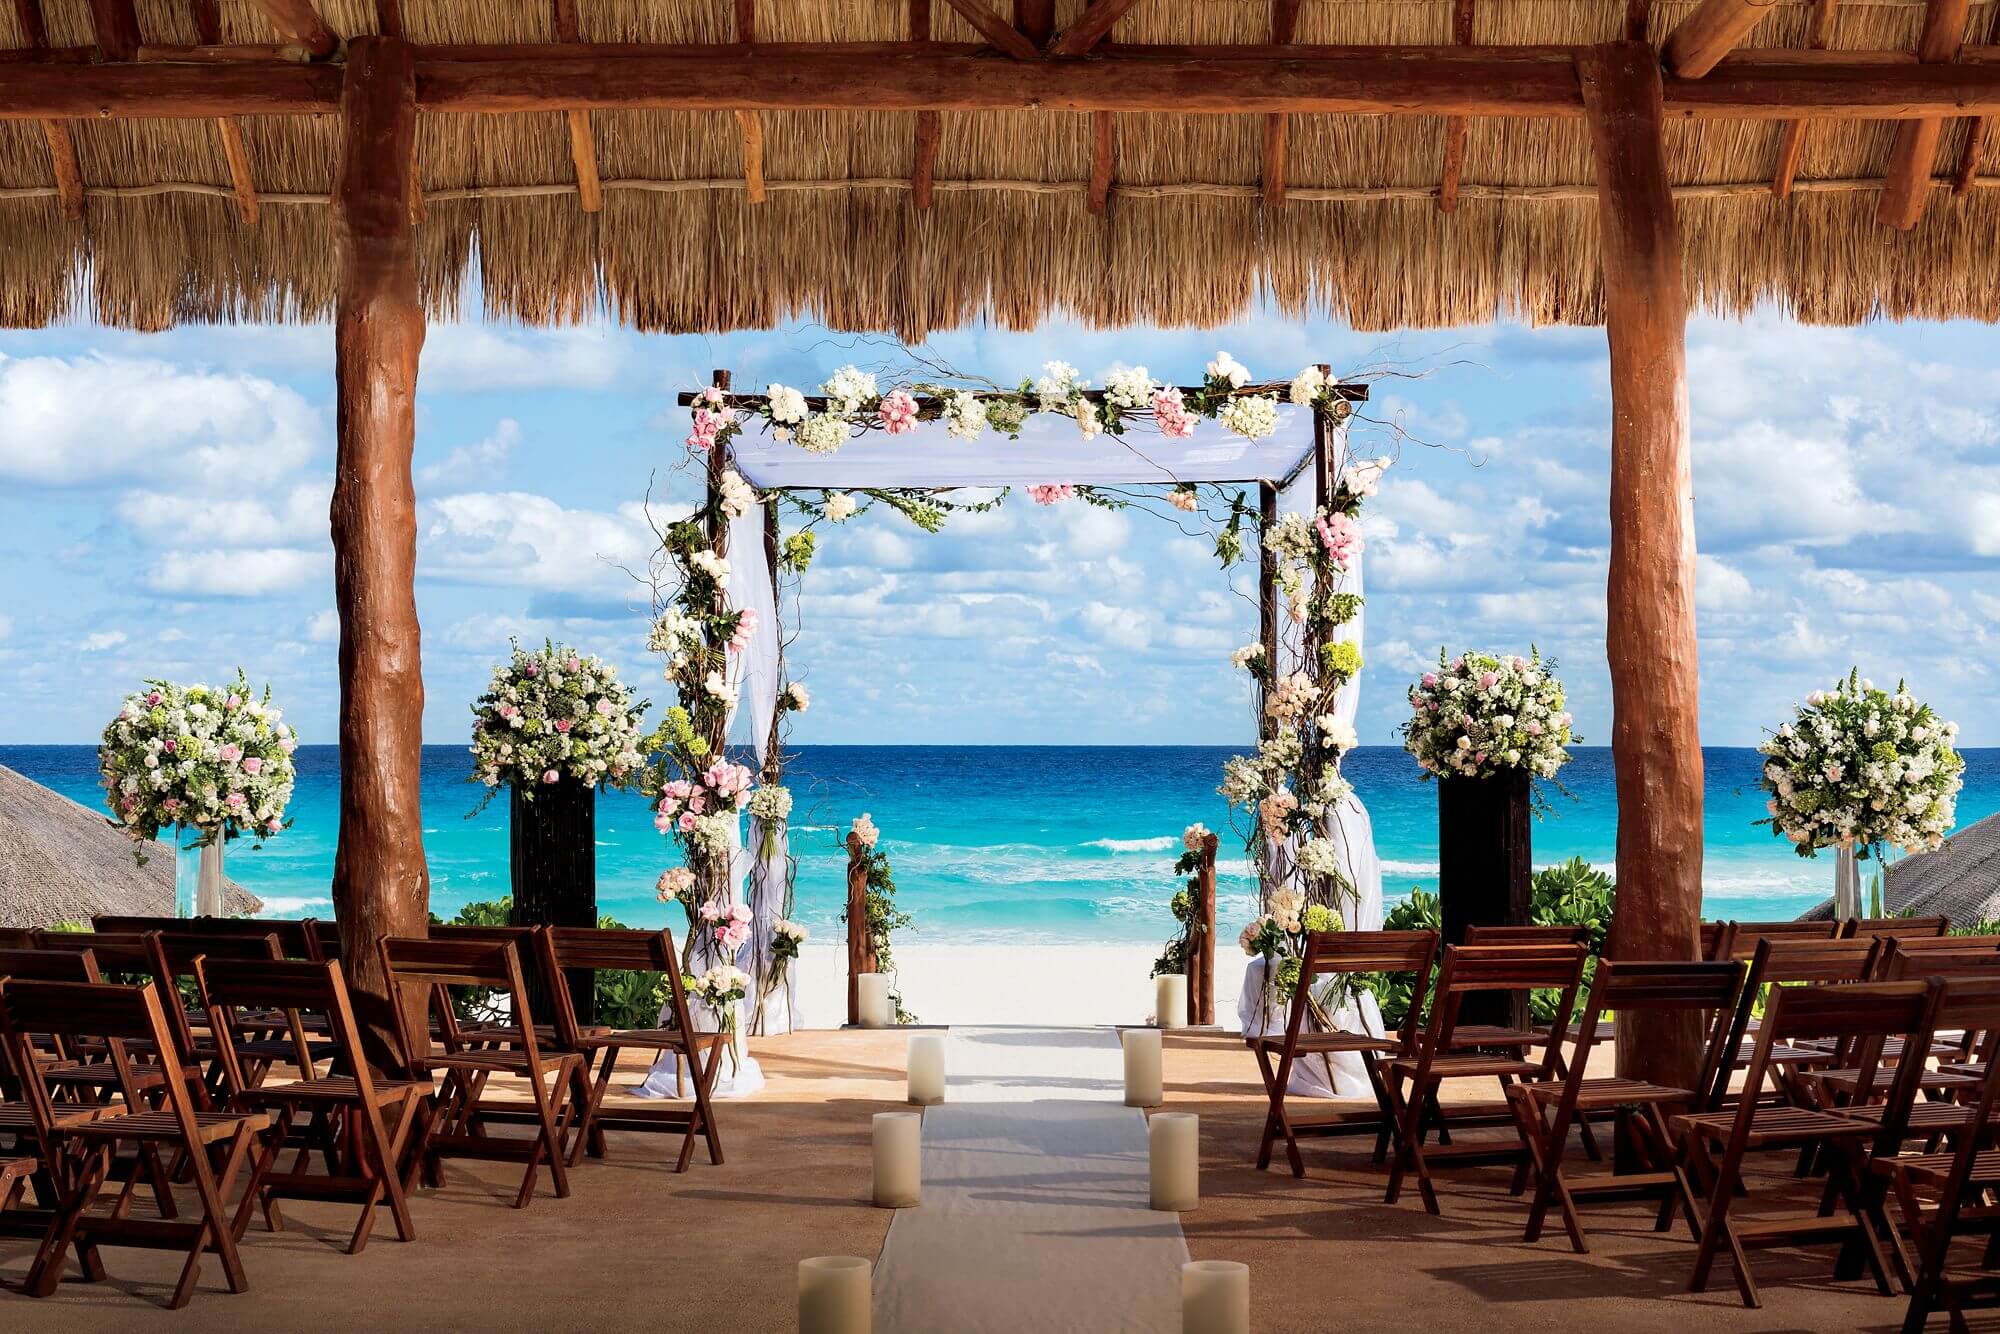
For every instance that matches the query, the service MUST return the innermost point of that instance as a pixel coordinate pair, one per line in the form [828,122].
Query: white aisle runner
[1034,1213]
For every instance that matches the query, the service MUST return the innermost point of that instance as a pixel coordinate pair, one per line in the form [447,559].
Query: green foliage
[625,999]
[884,918]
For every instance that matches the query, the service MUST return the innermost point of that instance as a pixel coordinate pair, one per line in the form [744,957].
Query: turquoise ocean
[1030,843]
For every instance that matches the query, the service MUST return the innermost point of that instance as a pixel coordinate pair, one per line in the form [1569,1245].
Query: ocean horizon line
[966,745]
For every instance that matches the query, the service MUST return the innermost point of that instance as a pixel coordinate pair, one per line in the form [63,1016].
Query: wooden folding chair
[1863,928]
[137,958]
[1544,1112]
[1744,937]
[1444,1053]
[1345,953]
[295,936]
[1714,942]
[371,1116]
[79,1152]
[1865,1014]
[581,947]
[1776,962]
[459,1125]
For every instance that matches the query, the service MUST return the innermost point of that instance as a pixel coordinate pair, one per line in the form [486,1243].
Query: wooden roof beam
[582,144]
[1710,33]
[1092,27]
[1792,143]
[995,29]
[116,26]
[1035,20]
[299,22]
[62,149]
[930,129]
[1456,127]
[1103,159]
[240,178]
[1277,125]
[749,124]
[1907,187]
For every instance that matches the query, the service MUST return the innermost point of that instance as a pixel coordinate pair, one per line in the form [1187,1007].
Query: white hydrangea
[710,564]
[1087,419]
[1306,386]
[840,507]
[1229,369]
[1363,477]
[964,415]
[822,433]
[1129,388]
[1056,385]
[788,405]
[1253,417]
[848,389]
[736,494]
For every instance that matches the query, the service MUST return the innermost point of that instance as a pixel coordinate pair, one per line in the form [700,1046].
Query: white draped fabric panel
[1351,831]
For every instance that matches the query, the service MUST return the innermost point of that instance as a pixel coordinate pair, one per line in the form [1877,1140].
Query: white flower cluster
[964,415]
[795,697]
[1858,767]
[1248,654]
[1056,386]
[1307,385]
[1479,715]
[786,937]
[714,566]
[788,406]
[677,635]
[848,390]
[1320,858]
[1129,390]
[737,495]
[839,507]
[1252,416]
[719,989]
[198,757]
[1290,697]
[771,803]
[822,433]
[1228,370]
[553,714]
[1363,477]
[1195,837]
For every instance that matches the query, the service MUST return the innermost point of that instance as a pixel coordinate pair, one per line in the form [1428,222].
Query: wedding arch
[1201,450]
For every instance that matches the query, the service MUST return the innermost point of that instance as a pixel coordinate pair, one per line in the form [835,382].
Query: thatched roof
[1186,238]
[1961,880]
[63,862]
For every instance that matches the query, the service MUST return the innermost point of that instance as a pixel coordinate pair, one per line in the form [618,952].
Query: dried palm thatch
[1961,880]
[1187,238]
[62,862]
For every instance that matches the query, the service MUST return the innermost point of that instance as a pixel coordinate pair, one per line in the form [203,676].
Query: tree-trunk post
[860,946]
[553,842]
[1201,959]
[1267,635]
[713,872]
[1485,872]
[381,885]
[1655,722]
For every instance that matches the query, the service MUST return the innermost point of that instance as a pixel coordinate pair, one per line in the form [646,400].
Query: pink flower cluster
[746,625]
[725,786]
[1340,535]
[898,412]
[709,419]
[730,782]
[1174,420]
[675,883]
[1049,493]
[731,923]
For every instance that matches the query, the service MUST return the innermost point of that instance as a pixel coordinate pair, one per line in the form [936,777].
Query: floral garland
[1858,767]
[1479,715]
[879,903]
[218,761]
[1279,937]
[1179,951]
[551,714]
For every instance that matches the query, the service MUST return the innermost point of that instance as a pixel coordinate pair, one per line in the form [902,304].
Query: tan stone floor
[637,1247]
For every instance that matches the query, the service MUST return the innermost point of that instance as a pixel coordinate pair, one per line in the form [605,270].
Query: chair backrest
[1715,939]
[534,965]
[181,949]
[593,949]
[461,962]
[1968,1004]
[18,937]
[90,1011]
[1506,968]
[1527,935]
[1955,944]
[1863,927]
[326,937]
[49,965]
[295,986]
[127,954]
[1347,952]
[1745,936]
[295,937]
[1900,964]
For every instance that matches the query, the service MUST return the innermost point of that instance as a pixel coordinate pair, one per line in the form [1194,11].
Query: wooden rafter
[1284,27]
[1976,131]
[582,144]
[1035,20]
[301,23]
[995,29]
[1792,143]
[930,128]
[1411,81]
[238,155]
[1092,27]
[1710,33]
[752,127]
[1456,127]
[62,149]
[34,28]
[1103,158]
[1638,19]
[389,17]
[116,27]
[1907,186]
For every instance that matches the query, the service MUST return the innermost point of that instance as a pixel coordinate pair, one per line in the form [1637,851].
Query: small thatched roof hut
[63,862]
[1961,880]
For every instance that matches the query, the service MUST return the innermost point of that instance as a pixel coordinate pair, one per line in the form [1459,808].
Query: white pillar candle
[876,1011]
[1173,1142]
[1170,1000]
[834,1296]
[1144,1083]
[1215,1297]
[925,1069]
[899,1149]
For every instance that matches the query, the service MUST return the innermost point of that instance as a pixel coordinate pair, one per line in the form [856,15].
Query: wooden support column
[1284,26]
[1655,721]
[1455,127]
[923,162]
[1792,143]
[381,884]
[1201,947]
[1907,187]
[1267,629]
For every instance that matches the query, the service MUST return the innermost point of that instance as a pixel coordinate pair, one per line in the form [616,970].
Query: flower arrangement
[1479,715]
[1279,936]
[1179,950]
[720,989]
[217,761]
[882,917]
[554,713]
[1859,767]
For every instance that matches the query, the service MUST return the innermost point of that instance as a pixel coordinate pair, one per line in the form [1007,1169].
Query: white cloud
[519,539]
[1721,587]
[102,641]
[96,418]
[470,358]
[324,627]
[485,461]
[249,572]
[1120,627]
[297,518]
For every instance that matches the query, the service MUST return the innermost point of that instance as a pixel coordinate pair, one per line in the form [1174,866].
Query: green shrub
[625,999]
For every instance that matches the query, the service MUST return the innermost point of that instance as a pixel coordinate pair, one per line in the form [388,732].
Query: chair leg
[46,1272]
[704,1108]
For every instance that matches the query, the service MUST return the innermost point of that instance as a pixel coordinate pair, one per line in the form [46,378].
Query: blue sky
[163,512]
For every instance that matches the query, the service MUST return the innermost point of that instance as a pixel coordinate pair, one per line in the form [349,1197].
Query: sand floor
[638,1247]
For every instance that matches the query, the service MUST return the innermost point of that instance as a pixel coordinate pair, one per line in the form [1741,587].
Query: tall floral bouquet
[1479,715]
[217,761]
[554,713]
[1279,938]
[1858,767]
[720,989]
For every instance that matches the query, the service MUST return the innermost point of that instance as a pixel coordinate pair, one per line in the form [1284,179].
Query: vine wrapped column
[381,883]
[860,943]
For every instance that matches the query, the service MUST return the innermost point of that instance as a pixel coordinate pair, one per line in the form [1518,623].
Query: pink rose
[235,800]
[1171,416]
[168,745]
[230,753]
[686,823]
[153,697]
[1488,681]
[532,669]
[253,765]
[550,775]
[698,802]
[573,663]
[562,724]
[288,745]
[898,412]
[606,708]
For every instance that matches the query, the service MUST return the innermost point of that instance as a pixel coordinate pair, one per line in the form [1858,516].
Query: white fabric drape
[1351,832]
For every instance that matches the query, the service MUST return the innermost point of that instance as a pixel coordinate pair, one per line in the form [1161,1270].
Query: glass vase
[197,875]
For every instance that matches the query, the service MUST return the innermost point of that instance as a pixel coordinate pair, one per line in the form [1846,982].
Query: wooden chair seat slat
[19,1118]
[1774,1125]
[1328,1042]
[334,1088]
[1846,1081]
[1613,1093]
[1932,1168]
[1468,1064]
[209,1126]
[648,1037]
[1924,1118]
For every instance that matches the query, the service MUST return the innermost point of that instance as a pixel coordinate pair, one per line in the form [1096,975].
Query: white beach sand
[1012,984]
